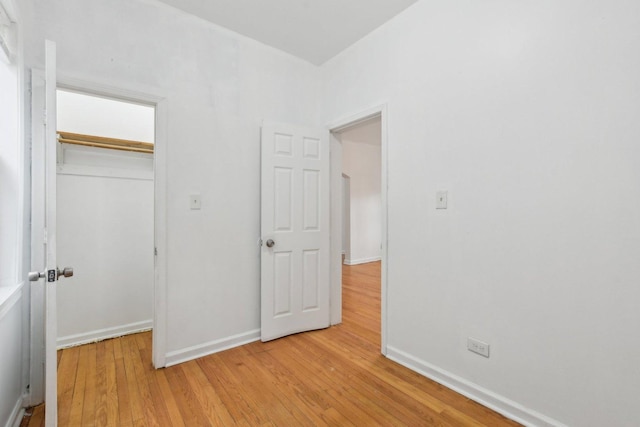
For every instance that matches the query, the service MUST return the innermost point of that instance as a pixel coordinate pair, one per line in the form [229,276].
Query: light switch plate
[441,199]
[194,202]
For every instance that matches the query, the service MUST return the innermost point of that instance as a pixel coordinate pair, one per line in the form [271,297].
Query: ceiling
[315,30]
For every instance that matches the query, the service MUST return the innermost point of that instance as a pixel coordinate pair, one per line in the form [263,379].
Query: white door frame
[159,101]
[336,214]
[346,218]
[156,98]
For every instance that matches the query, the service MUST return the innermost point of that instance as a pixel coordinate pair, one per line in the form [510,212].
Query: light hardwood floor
[334,377]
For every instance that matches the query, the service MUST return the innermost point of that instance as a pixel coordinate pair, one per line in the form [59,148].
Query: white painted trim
[9,296]
[357,118]
[136,93]
[24,196]
[140,169]
[336,229]
[148,95]
[190,353]
[9,40]
[16,414]
[96,171]
[12,48]
[6,49]
[384,296]
[494,401]
[4,52]
[338,125]
[362,260]
[161,148]
[103,334]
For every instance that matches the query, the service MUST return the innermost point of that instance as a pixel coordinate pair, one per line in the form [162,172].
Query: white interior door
[51,382]
[44,223]
[295,230]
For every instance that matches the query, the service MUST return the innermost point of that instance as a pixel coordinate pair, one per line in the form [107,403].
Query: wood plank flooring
[336,377]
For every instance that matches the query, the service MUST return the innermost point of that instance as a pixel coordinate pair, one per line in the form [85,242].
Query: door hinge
[155,251]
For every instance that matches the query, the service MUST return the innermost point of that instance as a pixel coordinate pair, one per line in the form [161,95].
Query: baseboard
[190,353]
[16,414]
[498,403]
[362,260]
[103,334]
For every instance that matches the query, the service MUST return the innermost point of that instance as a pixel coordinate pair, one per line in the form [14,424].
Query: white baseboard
[498,403]
[362,260]
[16,414]
[190,353]
[103,334]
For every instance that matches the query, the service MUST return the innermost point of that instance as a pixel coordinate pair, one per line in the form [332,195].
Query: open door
[295,230]
[44,213]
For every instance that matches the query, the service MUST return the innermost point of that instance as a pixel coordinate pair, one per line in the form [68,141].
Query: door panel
[51,383]
[295,217]
[38,261]
[43,239]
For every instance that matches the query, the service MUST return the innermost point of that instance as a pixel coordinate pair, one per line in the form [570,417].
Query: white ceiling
[315,30]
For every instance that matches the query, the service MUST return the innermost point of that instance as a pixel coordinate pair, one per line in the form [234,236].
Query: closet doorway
[105,203]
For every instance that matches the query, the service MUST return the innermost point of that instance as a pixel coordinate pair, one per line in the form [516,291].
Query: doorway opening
[105,216]
[361,172]
[95,164]
[359,212]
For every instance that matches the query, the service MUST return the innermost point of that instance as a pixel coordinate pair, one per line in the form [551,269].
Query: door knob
[270,243]
[66,272]
[34,276]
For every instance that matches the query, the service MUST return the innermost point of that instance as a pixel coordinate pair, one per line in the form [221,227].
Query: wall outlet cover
[477,346]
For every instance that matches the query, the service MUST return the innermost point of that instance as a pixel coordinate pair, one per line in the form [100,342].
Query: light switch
[194,201]
[441,200]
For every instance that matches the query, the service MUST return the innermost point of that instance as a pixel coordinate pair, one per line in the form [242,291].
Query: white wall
[361,162]
[526,112]
[219,87]
[93,115]
[11,328]
[9,173]
[13,294]
[11,333]
[105,228]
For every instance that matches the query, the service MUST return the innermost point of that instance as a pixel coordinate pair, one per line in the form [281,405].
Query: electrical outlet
[477,346]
